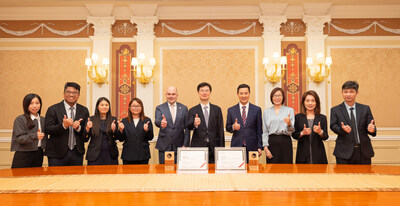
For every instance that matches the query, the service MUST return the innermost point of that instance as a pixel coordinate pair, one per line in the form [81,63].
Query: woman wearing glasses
[278,123]
[136,132]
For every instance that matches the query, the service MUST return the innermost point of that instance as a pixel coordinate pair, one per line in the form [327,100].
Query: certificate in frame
[192,160]
[230,160]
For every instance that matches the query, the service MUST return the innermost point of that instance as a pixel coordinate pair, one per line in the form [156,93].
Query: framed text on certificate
[230,159]
[192,160]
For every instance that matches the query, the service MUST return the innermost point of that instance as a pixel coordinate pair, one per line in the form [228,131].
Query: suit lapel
[358,114]
[62,109]
[201,115]
[167,112]
[178,112]
[345,113]
[238,114]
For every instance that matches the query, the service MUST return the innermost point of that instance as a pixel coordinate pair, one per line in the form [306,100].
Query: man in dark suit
[170,117]
[352,122]
[205,119]
[65,124]
[244,121]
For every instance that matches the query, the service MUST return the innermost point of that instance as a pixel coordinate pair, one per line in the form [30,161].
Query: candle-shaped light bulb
[134,62]
[309,61]
[106,61]
[141,56]
[265,61]
[283,60]
[152,61]
[95,57]
[88,62]
[328,61]
[320,57]
[275,56]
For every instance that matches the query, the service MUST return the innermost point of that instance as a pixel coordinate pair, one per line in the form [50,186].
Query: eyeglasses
[135,107]
[71,92]
[277,95]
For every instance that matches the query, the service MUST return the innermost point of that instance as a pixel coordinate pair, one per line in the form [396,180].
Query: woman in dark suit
[136,132]
[310,129]
[27,137]
[102,132]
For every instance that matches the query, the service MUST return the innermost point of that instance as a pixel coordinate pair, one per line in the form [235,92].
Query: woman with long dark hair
[277,128]
[310,129]
[28,136]
[136,134]
[102,131]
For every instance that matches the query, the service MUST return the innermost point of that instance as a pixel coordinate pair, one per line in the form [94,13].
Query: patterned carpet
[199,182]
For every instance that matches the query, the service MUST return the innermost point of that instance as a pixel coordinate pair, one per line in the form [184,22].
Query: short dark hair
[317,109]
[276,89]
[74,85]
[243,86]
[204,84]
[350,85]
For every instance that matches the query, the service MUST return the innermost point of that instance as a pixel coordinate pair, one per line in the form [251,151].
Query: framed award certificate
[192,160]
[230,159]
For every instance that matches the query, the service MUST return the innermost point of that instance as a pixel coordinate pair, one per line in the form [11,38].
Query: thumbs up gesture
[121,126]
[76,124]
[197,120]
[67,122]
[39,134]
[306,131]
[287,120]
[371,127]
[89,125]
[146,126]
[236,126]
[113,126]
[317,128]
[346,128]
[163,122]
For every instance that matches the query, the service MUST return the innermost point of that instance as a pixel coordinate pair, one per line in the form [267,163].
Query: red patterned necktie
[244,117]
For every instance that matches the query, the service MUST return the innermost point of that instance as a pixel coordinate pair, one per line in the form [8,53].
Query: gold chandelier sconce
[146,71]
[320,70]
[275,69]
[98,74]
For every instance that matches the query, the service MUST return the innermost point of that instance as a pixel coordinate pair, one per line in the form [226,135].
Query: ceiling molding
[196,12]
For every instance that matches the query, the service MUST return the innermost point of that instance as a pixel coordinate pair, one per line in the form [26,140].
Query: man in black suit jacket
[65,124]
[353,145]
[244,121]
[207,132]
[171,119]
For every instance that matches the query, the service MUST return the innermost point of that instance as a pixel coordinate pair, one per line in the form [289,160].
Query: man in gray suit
[171,119]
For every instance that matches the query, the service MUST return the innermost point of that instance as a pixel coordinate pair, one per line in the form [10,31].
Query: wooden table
[202,198]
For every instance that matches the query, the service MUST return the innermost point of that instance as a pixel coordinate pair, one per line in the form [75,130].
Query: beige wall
[377,72]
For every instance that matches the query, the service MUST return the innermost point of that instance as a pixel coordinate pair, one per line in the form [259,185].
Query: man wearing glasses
[64,123]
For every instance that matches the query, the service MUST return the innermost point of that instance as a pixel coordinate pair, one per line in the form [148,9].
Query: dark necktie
[71,140]
[354,126]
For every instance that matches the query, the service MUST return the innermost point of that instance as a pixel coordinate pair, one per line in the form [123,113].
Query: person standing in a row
[206,121]
[65,123]
[310,129]
[28,137]
[136,132]
[277,129]
[101,130]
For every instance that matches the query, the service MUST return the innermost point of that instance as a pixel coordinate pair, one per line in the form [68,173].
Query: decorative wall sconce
[98,74]
[146,71]
[275,69]
[320,70]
